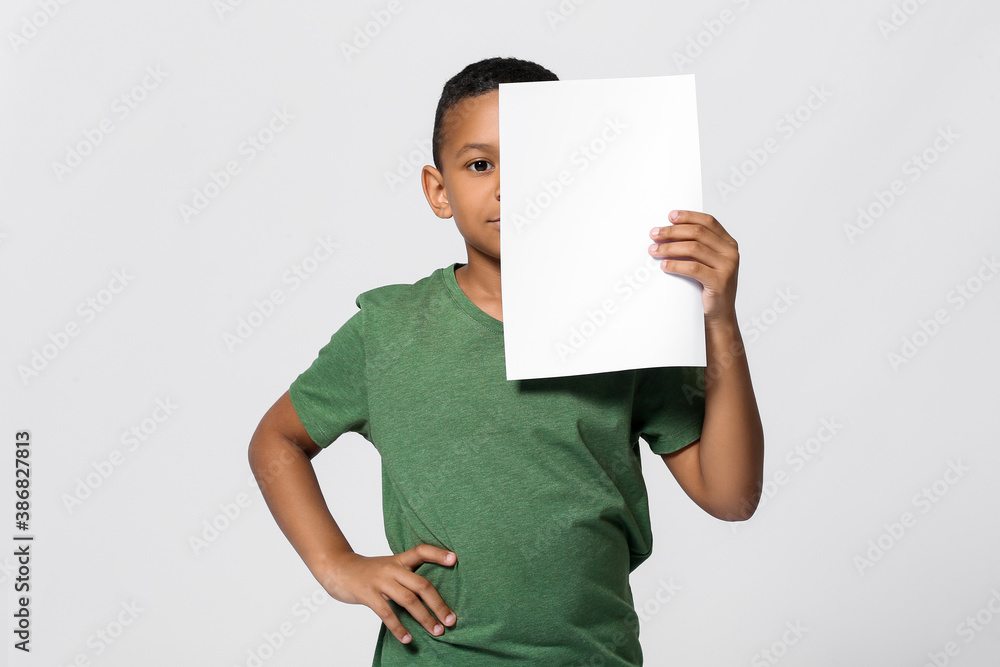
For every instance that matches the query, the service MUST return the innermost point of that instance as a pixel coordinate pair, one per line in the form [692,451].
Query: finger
[667,238]
[410,600]
[392,623]
[430,596]
[703,219]
[689,250]
[696,270]
[687,231]
[426,553]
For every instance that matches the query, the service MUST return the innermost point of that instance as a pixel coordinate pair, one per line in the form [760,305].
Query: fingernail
[652,248]
[654,231]
[438,629]
[673,215]
[407,638]
[449,619]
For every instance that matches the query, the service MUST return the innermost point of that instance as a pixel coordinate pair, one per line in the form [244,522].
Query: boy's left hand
[697,246]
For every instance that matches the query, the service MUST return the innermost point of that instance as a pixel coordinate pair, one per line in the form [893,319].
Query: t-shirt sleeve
[669,406]
[330,397]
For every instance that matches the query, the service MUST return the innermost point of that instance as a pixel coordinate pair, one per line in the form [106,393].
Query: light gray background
[825,357]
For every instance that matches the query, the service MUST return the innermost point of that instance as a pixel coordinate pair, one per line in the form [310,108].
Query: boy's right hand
[373,580]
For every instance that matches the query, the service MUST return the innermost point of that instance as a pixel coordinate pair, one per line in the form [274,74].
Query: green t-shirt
[535,484]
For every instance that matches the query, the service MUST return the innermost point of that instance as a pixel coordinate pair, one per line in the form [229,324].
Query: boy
[515,510]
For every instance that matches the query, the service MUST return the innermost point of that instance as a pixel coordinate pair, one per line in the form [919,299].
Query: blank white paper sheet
[587,169]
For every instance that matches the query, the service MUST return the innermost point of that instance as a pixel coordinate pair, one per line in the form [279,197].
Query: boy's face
[468,185]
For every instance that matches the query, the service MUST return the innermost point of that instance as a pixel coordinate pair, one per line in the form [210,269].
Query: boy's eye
[473,165]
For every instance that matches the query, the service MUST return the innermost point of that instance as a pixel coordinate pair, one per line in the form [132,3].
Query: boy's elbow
[738,515]
[262,447]
[734,510]
[256,448]
[732,516]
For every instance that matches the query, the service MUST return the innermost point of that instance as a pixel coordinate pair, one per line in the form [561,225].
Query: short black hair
[477,79]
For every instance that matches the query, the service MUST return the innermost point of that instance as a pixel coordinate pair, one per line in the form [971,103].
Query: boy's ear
[434,190]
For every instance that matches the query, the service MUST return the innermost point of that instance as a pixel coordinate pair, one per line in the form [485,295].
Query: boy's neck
[479,278]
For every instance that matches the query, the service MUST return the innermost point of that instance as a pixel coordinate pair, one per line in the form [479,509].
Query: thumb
[426,553]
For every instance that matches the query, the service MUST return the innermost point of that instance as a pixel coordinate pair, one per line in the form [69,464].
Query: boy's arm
[280,456]
[723,471]
[280,453]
